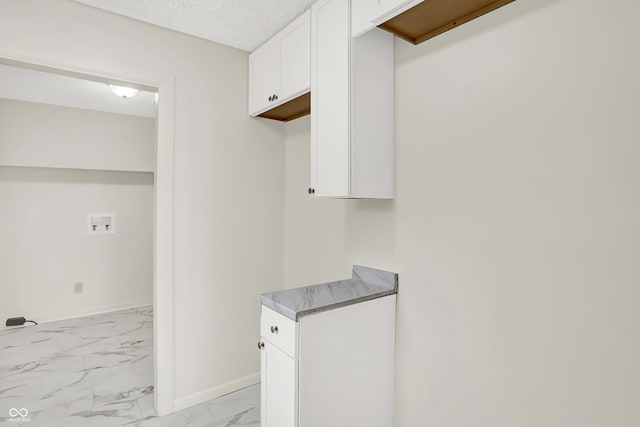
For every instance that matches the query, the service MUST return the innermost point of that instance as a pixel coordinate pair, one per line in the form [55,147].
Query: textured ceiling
[244,24]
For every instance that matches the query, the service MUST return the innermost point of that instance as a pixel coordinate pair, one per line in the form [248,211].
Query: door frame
[163,260]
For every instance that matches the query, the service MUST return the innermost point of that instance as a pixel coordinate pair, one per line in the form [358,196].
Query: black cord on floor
[32,321]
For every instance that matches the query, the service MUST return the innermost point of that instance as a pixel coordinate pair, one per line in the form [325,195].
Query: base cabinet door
[279,388]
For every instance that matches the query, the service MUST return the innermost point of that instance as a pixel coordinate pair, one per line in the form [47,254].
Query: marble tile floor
[97,371]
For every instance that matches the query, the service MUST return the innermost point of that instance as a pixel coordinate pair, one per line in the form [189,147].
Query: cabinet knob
[274,329]
[312,190]
[260,345]
[275,97]
[270,98]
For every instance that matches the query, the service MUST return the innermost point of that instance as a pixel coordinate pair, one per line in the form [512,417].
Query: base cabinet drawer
[278,330]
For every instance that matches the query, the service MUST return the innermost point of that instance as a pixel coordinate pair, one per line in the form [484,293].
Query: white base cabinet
[332,368]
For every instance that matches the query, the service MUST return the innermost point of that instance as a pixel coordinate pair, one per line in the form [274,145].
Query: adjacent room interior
[77,167]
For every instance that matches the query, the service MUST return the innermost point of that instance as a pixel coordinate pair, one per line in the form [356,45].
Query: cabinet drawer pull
[274,329]
[312,191]
[260,345]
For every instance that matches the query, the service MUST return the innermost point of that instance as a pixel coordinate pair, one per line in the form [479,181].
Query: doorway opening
[87,182]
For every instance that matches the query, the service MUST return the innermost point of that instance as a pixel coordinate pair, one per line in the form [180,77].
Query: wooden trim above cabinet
[290,110]
[433,17]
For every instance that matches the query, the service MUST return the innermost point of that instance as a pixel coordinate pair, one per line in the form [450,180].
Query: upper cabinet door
[367,14]
[295,57]
[389,8]
[330,41]
[280,73]
[363,13]
[263,76]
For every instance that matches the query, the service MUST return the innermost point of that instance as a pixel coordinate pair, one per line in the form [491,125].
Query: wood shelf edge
[295,108]
[396,25]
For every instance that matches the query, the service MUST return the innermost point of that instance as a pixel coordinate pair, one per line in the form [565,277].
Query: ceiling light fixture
[123,91]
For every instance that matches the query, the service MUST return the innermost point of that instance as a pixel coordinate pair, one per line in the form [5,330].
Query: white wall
[228,183]
[83,139]
[45,247]
[515,228]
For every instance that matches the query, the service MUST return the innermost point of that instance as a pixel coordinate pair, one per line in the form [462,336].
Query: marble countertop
[365,284]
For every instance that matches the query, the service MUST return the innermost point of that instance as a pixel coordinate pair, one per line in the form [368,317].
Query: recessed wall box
[101,224]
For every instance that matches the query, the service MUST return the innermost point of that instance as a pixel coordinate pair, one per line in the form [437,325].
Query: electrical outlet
[78,288]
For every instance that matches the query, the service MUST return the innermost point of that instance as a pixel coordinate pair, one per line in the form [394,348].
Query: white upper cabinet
[389,8]
[279,70]
[351,107]
[363,14]
[417,20]
[330,104]
[295,57]
[367,14]
[263,77]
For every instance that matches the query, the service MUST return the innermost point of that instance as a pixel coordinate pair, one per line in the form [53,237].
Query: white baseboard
[95,310]
[217,391]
